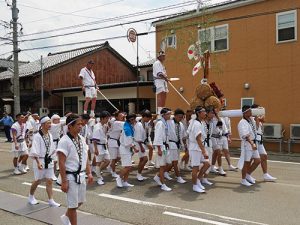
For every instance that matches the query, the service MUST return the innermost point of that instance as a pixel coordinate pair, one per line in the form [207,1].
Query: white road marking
[136,201]
[275,161]
[42,186]
[194,218]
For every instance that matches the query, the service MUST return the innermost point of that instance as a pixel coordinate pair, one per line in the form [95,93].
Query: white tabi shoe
[119,182]
[164,187]
[245,183]
[206,181]
[65,220]
[32,200]
[100,181]
[17,171]
[222,172]
[27,168]
[52,203]
[180,180]
[250,179]
[114,174]
[187,168]
[22,168]
[54,178]
[157,180]
[126,184]
[232,168]
[139,177]
[213,170]
[268,177]
[167,176]
[196,188]
[200,185]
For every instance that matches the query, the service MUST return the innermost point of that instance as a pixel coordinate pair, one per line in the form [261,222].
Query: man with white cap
[73,165]
[250,158]
[89,87]
[161,143]
[41,152]
[160,81]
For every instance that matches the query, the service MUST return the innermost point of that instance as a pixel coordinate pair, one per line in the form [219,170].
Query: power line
[141,13]
[66,14]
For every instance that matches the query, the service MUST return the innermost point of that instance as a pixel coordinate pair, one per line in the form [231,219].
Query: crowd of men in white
[80,145]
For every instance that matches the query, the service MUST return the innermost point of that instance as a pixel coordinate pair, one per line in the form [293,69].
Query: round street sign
[131,35]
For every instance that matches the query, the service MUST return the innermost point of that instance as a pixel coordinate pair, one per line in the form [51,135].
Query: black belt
[20,140]
[88,86]
[166,145]
[104,145]
[176,142]
[118,141]
[216,135]
[56,140]
[76,174]
[206,140]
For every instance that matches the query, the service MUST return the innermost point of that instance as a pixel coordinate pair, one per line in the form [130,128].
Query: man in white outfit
[43,148]
[160,81]
[89,87]
[74,166]
[250,158]
[198,154]
[260,146]
[161,143]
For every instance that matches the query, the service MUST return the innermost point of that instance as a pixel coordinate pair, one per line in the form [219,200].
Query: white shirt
[140,132]
[99,135]
[126,143]
[245,129]
[159,69]
[88,77]
[67,147]
[195,129]
[55,130]
[172,134]
[20,130]
[39,149]
[160,133]
[114,133]
[227,124]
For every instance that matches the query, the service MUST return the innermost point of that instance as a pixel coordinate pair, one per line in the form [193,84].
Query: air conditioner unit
[272,130]
[295,131]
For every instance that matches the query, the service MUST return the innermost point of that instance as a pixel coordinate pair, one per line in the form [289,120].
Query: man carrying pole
[89,87]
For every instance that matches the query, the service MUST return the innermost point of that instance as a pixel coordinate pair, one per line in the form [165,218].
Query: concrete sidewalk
[14,209]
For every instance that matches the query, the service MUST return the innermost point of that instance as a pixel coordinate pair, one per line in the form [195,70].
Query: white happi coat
[20,136]
[161,134]
[194,130]
[39,150]
[114,133]
[159,68]
[99,135]
[173,136]
[245,129]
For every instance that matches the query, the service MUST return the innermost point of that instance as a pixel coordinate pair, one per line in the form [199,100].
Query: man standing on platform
[89,87]
[160,81]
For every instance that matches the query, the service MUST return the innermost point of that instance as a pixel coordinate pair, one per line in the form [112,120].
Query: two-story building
[255,56]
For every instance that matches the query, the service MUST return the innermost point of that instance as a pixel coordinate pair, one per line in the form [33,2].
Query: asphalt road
[226,202]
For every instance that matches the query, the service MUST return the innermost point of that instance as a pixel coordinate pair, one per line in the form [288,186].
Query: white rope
[179,94]
[107,100]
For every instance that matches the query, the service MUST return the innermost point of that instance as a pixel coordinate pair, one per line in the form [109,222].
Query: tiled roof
[147,63]
[52,60]
[9,63]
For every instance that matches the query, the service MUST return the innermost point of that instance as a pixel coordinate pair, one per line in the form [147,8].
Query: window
[71,104]
[286,26]
[149,75]
[214,39]
[171,41]
[247,101]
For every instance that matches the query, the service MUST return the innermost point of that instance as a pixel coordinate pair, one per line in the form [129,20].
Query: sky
[44,15]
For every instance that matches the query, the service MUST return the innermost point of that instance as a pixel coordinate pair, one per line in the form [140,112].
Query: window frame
[212,39]
[252,98]
[174,41]
[295,26]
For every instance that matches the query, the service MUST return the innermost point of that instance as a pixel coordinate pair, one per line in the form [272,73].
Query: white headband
[73,121]
[44,120]
[246,110]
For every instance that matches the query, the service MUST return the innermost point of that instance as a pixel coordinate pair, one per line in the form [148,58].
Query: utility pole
[16,87]
[42,83]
